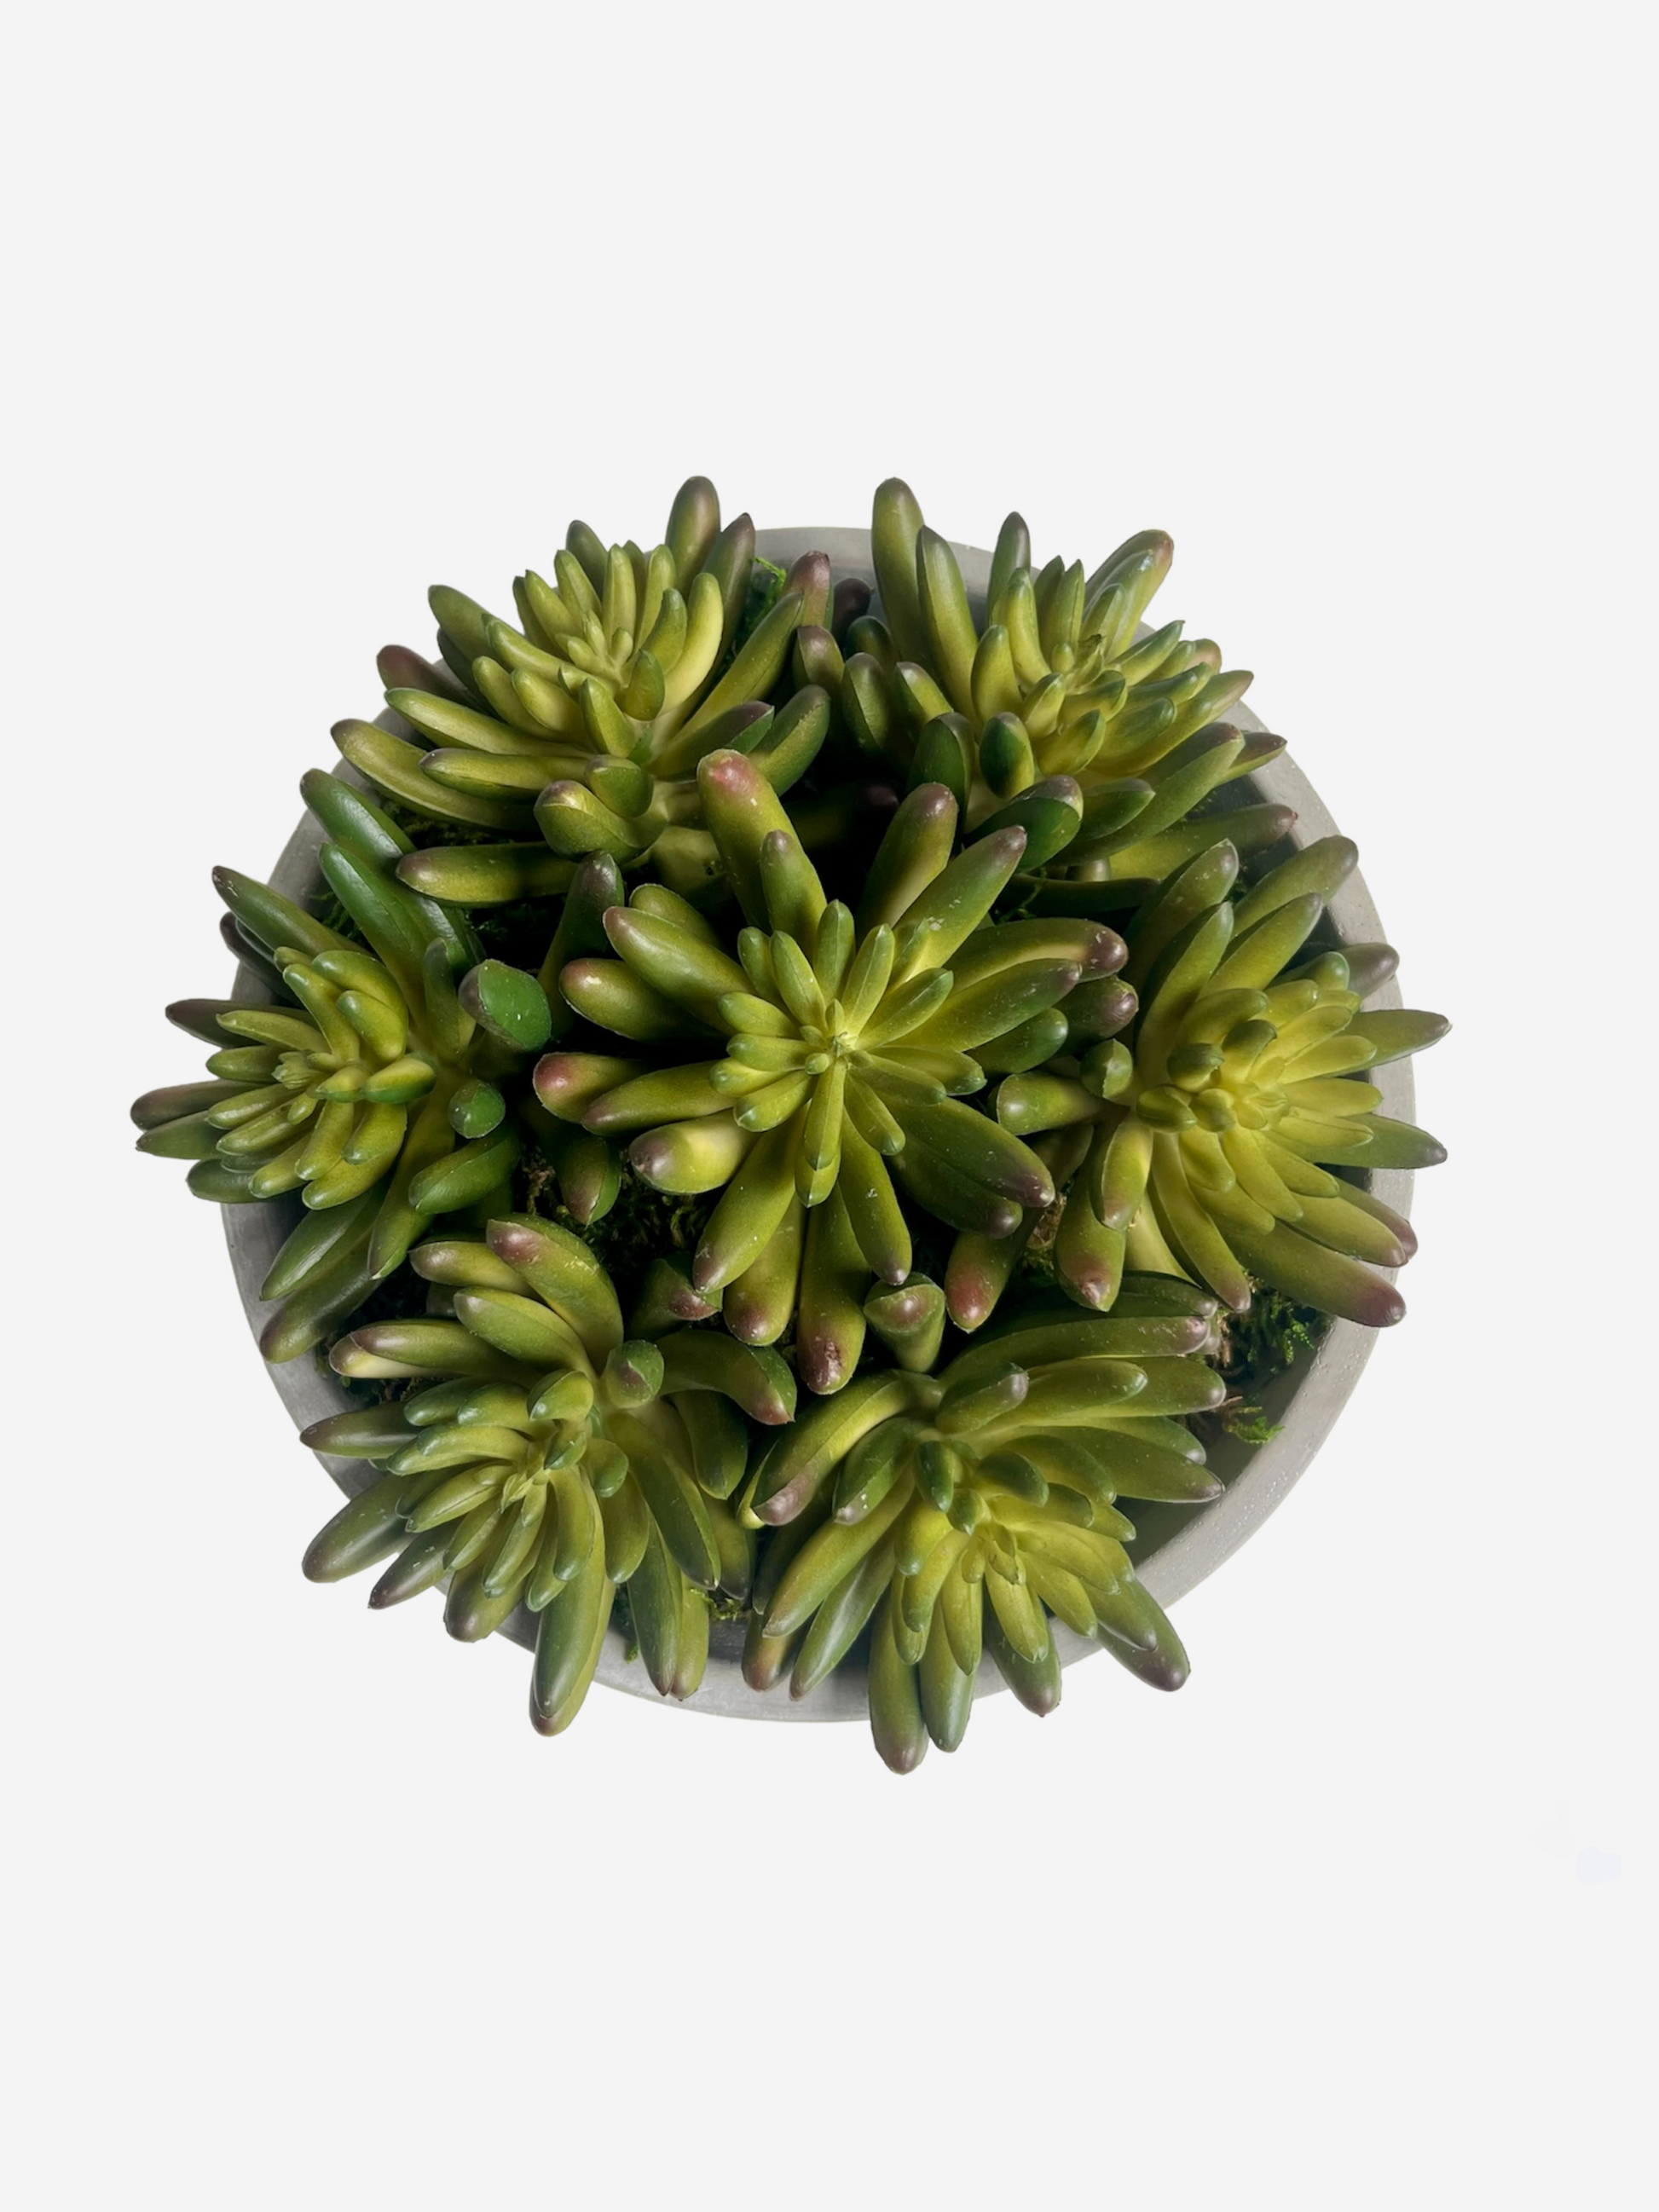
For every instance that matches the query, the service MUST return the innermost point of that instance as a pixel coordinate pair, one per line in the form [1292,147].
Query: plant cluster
[899,1011]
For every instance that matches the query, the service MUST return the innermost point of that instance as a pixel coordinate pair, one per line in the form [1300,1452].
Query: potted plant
[815,1123]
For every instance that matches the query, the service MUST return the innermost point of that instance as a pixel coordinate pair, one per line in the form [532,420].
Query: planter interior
[1176,1548]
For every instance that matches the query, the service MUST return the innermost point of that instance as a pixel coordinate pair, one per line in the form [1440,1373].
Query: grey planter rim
[1305,1402]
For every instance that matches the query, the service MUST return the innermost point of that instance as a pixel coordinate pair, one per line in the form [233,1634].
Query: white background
[315,305]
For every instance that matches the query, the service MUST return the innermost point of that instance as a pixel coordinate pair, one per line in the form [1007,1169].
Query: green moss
[1036,1270]
[421,830]
[326,909]
[1257,1429]
[622,1622]
[622,1617]
[642,1225]
[766,583]
[1256,1347]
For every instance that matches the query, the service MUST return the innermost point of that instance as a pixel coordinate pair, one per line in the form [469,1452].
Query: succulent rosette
[1116,737]
[845,1043]
[721,981]
[1217,1133]
[969,1509]
[371,1083]
[556,1461]
[584,719]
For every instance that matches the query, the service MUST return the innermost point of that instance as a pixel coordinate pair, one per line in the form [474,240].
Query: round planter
[1174,1550]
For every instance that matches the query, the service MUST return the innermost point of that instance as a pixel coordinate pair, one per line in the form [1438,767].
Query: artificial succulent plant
[972,1507]
[373,1080]
[549,1459]
[730,981]
[1057,697]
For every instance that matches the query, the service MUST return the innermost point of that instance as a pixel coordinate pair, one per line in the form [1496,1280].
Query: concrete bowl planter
[1176,1550]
